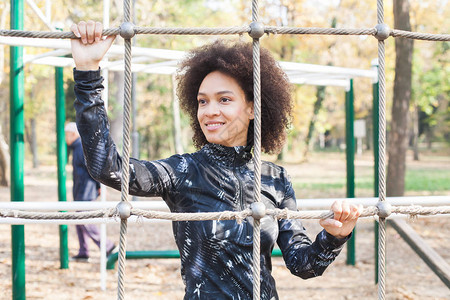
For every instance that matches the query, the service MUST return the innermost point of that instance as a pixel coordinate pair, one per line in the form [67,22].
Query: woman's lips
[214,125]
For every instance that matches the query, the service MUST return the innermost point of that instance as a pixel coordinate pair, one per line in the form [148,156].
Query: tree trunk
[398,136]
[416,132]
[3,19]
[4,160]
[33,143]
[30,132]
[320,96]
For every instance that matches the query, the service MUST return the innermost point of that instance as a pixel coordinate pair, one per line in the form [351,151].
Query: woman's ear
[251,111]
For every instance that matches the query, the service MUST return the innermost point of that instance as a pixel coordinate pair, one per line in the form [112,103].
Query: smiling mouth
[212,126]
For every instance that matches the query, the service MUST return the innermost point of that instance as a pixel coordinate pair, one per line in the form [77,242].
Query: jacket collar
[227,156]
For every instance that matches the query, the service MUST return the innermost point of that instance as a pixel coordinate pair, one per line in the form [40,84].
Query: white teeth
[214,124]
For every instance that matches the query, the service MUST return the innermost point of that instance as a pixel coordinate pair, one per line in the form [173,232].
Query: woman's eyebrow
[218,93]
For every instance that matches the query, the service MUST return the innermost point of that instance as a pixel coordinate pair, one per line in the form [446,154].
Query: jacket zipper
[241,198]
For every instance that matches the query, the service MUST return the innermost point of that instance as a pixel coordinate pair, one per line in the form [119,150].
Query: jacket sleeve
[102,159]
[303,257]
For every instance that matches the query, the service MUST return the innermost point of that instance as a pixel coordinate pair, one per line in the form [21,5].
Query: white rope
[382,157]
[370,211]
[125,155]
[257,155]
[160,205]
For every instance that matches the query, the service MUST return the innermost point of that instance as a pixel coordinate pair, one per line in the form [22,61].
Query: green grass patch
[426,180]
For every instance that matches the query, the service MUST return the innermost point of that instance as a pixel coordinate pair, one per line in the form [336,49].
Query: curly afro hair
[235,60]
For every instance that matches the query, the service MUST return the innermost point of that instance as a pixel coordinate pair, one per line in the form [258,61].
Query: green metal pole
[61,155]
[17,129]
[156,254]
[350,156]
[376,155]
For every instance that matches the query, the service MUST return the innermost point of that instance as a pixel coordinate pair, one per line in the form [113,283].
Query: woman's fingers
[345,218]
[88,32]
[336,207]
[74,29]
[330,222]
[344,211]
[98,31]
[82,30]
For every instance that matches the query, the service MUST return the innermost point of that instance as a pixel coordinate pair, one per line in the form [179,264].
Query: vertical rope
[257,155]
[382,158]
[125,155]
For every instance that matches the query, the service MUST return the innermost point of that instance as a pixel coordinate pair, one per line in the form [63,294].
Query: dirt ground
[408,277]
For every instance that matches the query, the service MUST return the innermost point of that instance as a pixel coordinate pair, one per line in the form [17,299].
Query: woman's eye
[201,101]
[225,99]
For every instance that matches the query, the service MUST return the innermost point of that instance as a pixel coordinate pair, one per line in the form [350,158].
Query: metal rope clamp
[258,210]
[382,32]
[126,30]
[124,210]
[256,30]
[384,209]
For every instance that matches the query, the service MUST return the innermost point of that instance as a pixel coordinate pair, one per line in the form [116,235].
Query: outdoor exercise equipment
[256,29]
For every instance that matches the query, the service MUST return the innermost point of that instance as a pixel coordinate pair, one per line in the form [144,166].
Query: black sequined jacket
[216,256]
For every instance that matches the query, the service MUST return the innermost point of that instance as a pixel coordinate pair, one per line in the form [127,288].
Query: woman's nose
[212,109]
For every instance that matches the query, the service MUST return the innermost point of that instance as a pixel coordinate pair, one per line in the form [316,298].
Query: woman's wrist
[87,67]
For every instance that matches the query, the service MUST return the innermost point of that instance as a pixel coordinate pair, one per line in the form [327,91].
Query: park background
[315,150]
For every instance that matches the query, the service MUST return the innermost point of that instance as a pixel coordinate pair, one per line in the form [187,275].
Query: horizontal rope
[315,30]
[192,30]
[415,210]
[232,30]
[369,211]
[420,36]
[50,34]
[104,213]
[290,214]
[223,215]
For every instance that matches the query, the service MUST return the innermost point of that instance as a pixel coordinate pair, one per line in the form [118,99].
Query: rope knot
[123,209]
[384,209]
[258,210]
[256,30]
[382,32]
[126,30]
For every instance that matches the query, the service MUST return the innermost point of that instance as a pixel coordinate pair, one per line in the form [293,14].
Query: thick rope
[233,30]
[257,155]
[370,211]
[122,260]
[318,31]
[420,36]
[50,34]
[7,213]
[382,157]
[382,259]
[125,155]
[193,30]
[415,210]
[223,215]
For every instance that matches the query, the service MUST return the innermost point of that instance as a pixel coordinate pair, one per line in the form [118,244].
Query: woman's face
[223,112]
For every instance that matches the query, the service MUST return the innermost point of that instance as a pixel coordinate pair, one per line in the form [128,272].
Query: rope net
[255,30]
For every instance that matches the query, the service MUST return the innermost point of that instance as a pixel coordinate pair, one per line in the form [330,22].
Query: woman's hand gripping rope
[89,49]
[345,217]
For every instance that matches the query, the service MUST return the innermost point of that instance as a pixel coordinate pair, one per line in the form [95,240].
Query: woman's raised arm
[89,49]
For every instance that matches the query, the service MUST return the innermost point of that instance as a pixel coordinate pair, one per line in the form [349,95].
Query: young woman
[216,90]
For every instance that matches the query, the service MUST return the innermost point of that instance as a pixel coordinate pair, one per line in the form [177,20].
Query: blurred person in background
[85,188]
